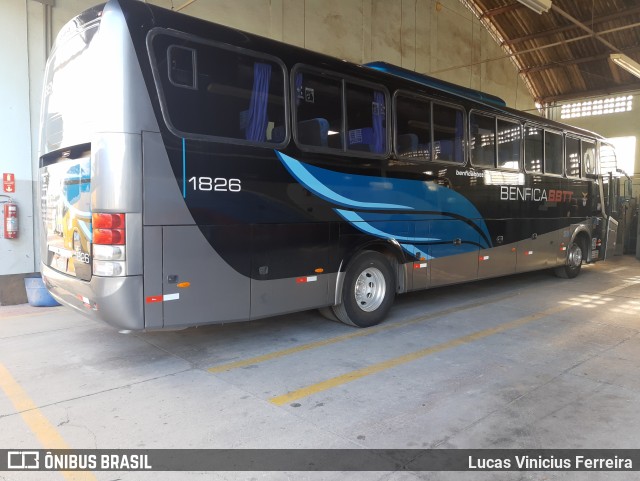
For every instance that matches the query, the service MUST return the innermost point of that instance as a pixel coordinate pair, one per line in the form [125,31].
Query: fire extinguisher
[10,220]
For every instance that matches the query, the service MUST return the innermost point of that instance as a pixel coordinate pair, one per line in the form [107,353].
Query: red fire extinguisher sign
[9,182]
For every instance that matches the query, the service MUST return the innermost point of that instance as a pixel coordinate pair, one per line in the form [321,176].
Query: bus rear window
[219,92]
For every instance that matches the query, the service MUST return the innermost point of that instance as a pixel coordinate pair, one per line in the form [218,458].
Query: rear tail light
[108,236]
[108,221]
[109,244]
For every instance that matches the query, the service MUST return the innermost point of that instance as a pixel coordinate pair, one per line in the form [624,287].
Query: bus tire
[572,265]
[368,290]
[327,313]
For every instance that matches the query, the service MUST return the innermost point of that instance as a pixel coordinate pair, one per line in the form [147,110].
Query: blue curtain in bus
[378,144]
[257,124]
[299,94]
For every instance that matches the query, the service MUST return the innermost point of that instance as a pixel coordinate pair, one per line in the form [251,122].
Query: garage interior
[527,361]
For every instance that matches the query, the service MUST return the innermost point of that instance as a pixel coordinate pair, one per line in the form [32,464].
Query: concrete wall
[16,255]
[440,38]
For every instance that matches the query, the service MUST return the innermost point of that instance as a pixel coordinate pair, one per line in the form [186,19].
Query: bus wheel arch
[368,288]
[576,254]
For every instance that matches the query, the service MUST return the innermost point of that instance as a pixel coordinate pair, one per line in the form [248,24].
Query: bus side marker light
[182,285]
[484,258]
[528,253]
[319,270]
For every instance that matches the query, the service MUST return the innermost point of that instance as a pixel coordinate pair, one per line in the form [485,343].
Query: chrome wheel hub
[574,258]
[370,289]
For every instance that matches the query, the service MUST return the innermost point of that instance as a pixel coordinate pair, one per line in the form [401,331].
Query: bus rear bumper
[118,301]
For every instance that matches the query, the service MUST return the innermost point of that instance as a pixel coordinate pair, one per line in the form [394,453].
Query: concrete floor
[528,361]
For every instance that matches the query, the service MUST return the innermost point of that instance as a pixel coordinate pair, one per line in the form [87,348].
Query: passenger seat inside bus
[314,132]
[407,145]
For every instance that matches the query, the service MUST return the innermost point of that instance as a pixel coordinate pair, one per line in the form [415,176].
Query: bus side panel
[538,251]
[152,251]
[420,269]
[280,250]
[163,201]
[497,261]
[454,259]
[215,292]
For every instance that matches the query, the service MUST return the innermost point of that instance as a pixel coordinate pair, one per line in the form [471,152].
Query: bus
[225,177]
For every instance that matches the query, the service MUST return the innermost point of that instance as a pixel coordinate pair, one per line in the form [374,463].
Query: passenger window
[509,144]
[572,157]
[366,119]
[413,128]
[553,160]
[212,91]
[448,134]
[318,111]
[483,140]
[533,149]
[588,150]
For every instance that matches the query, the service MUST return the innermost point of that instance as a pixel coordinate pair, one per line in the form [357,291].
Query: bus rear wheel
[572,266]
[368,290]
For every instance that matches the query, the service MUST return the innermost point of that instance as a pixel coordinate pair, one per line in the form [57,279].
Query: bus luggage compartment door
[539,251]
[203,284]
[454,252]
[289,270]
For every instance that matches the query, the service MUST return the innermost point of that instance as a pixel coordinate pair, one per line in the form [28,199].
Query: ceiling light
[537,6]
[626,63]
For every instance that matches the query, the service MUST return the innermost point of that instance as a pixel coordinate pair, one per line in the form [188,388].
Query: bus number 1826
[218,184]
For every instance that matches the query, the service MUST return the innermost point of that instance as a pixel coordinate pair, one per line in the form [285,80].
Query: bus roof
[437,83]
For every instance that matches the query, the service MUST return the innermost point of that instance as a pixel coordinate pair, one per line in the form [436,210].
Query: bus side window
[553,153]
[366,119]
[448,133]
[318,111]
[533,149]
[572,157]
[483,140]
[588,150]
[216,92]
[413,128]
[509,143]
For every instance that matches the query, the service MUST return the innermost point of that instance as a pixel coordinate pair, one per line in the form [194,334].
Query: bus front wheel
[368,290]
[571,267]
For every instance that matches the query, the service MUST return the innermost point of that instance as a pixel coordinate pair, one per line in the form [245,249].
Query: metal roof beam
[547,33]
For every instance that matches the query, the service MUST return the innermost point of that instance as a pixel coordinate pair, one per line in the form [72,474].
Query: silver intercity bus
[191,173]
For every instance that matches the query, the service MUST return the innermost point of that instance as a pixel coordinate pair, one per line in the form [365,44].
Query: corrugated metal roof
[563,54]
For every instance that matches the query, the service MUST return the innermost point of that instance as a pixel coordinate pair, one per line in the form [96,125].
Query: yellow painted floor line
[46,433]
[352,335]
[391,363]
